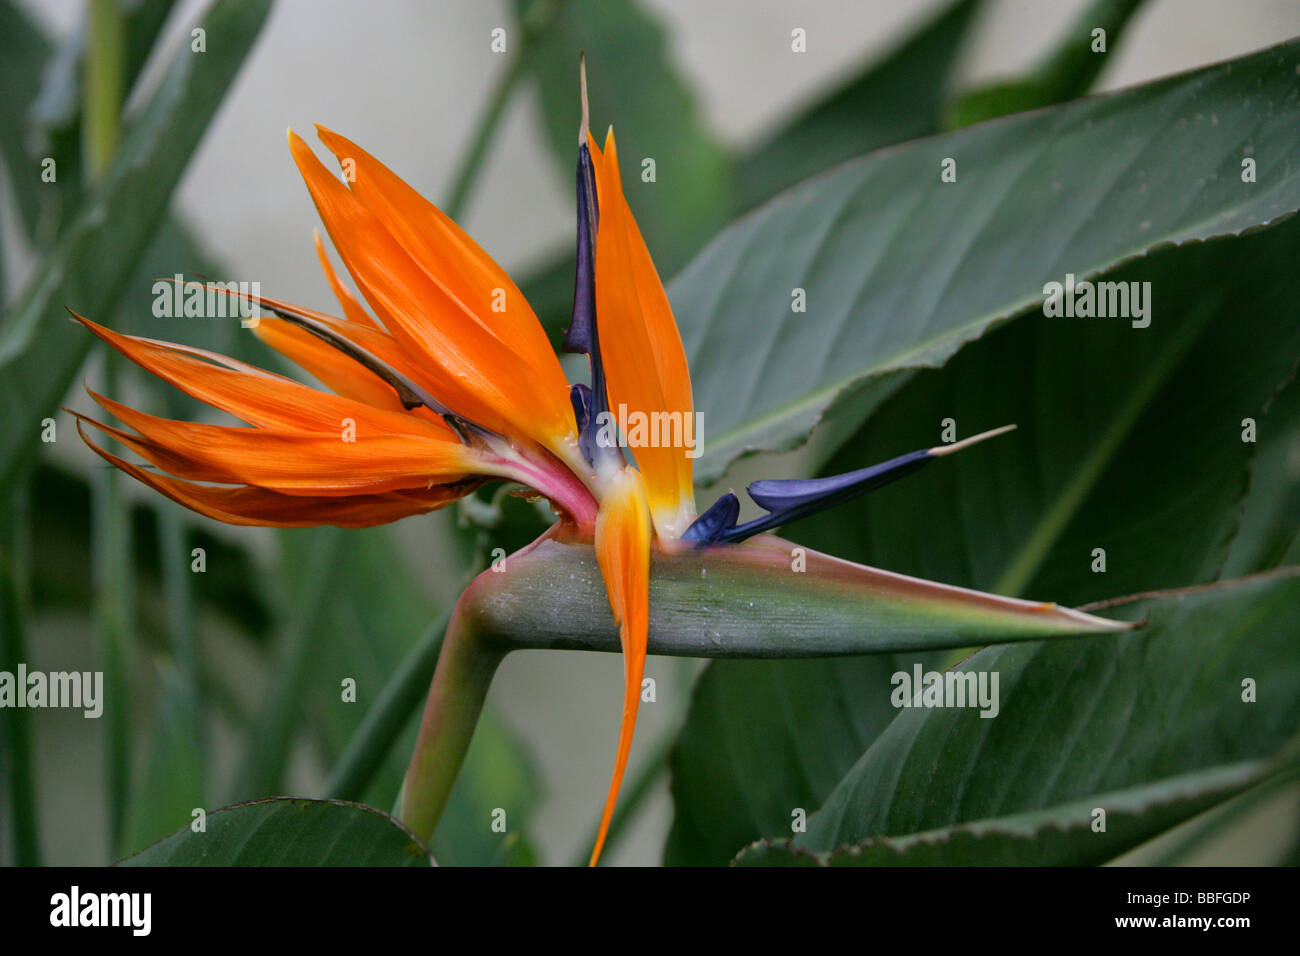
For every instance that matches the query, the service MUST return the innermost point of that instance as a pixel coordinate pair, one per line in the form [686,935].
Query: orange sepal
[473,371]
[257,396]
[338,372]
[448,254]
[353,309]
[348,460]
[257,506]
[623,553]
[641,349]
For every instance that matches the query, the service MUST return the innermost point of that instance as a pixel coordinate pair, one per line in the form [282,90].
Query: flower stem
[102,96]
[460,685]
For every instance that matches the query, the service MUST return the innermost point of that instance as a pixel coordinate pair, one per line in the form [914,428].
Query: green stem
[15,732]
[460,685]
[397,701]
[102,95]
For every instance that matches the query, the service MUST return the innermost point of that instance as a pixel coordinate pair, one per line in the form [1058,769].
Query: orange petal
[257,506]
[336,371]
[473,371]
[367,337]
[353,309]
[351,460]
[645,364]
[623,553]
[257,396]
[445,252]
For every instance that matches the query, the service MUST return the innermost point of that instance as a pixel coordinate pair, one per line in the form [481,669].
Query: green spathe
[765,598]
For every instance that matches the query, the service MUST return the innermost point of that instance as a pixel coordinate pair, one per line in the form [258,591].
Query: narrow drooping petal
[645,365]
[475,372]
[255,395]
[347,461]
[789,499]
[353,310]
[623,553]
[257,506]
[332,368]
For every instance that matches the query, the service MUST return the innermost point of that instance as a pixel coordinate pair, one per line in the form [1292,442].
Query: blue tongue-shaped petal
[709,527]
[789,499]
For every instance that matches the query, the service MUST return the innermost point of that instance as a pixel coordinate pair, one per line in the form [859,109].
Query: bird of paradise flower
[448,381]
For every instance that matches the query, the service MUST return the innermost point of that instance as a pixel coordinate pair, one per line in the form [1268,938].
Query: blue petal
[580,336]
[709,527]
[789,499]
[797,494]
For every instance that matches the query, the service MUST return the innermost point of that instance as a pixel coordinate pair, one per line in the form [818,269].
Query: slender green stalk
[15,733]
[397,701]
[460,685]
[102,96]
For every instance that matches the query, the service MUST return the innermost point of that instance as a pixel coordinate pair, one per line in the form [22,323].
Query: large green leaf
[900,269]
[40,351]
[764,740]
[287,831]
[1130,440]
[1066,835]
[1151,467]
[1087,718]
[1269,534]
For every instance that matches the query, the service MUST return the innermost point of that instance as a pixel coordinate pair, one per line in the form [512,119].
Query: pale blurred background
[407,79]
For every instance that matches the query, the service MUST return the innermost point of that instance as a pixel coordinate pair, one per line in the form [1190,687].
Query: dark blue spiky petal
[789,499]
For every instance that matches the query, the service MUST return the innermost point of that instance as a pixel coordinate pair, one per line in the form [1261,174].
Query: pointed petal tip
[585,126]
[1091,621]
[940,450]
